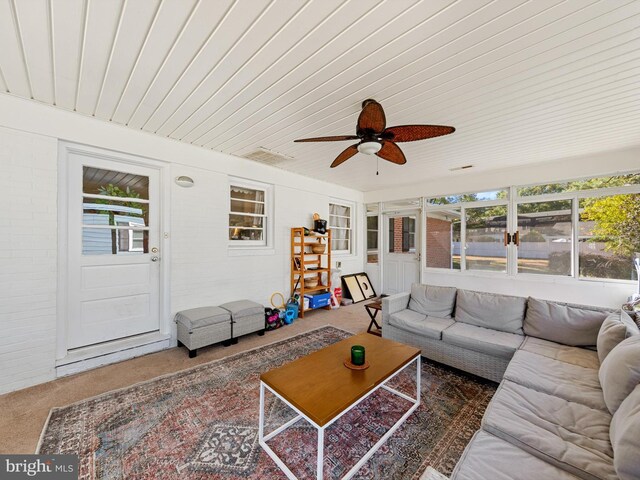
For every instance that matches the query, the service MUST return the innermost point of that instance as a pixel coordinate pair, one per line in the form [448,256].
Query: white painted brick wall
[28,259]
[204,272]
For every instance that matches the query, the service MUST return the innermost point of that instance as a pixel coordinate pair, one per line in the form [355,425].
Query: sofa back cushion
[575,325]
[620,372]
[432,300]
[489,310]
[615,328]
[625,437]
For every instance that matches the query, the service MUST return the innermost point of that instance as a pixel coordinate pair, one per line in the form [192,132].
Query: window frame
[351,229]
[267,216]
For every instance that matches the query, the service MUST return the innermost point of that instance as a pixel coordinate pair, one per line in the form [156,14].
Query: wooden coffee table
[320,389]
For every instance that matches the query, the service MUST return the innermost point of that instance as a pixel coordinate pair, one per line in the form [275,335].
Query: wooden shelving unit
[310,264]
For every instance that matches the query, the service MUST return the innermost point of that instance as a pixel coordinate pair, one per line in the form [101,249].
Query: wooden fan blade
[411,133]
[345,155]
[371,120]
[391,152]
[338,138]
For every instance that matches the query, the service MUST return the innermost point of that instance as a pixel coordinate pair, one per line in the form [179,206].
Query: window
[484,246]
[372,233]
[546,232]
[604,226]
[341,225]
[443,239]
[466,231]
[609,236]
[248,220]
[468,197]
[585,229]
[580,185]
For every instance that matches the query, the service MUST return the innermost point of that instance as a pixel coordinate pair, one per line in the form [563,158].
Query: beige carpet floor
[23,413]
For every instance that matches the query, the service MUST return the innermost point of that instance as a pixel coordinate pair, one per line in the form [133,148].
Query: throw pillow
[615,328]
[620,372]
[432,300]
[625,437]
[574,325]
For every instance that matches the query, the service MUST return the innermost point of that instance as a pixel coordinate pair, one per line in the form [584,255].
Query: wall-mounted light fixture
[184,181]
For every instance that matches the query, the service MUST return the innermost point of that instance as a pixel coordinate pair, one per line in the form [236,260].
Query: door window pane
[402,231]
[97,211]
[97,181]
[114,241]
[609,236]
[485,249]
[372,239]
[545,238]
[123,223]
[443,239]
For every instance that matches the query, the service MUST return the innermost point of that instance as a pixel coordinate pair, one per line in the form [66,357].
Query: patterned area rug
[202,423]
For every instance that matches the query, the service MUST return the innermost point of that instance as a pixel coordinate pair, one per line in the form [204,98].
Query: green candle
[357,355]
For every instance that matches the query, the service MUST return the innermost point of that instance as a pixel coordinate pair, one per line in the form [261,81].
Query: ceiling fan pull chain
[377,165]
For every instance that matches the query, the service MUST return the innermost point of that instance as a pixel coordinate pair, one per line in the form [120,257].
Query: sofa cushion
[620,372]
[414,322]
[432,300]
[554,377]
[569,435]
[490,457]
[625,437]
[564,353]
[576,325]
[483,340]
[615,328]
[498,312]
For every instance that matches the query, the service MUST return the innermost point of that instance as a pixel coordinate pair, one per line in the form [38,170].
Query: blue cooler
[319,300]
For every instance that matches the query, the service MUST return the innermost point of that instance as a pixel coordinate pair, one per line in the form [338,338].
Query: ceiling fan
[376,139]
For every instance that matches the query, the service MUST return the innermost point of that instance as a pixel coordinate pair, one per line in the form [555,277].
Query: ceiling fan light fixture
[369,148]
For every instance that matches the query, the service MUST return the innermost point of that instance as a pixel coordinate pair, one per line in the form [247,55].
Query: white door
[113,257]
[401,255]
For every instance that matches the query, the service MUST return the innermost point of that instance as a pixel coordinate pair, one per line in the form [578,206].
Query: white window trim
[252,247]
[352,227]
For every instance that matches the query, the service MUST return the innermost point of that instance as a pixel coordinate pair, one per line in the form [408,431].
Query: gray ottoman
[246,317]
[199,327]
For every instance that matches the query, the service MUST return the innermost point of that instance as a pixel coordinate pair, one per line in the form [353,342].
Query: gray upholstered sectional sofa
[568,404]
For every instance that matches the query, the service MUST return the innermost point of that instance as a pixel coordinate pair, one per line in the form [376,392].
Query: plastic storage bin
[319,300]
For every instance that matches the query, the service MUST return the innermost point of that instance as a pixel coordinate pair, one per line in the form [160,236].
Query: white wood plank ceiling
[522,81]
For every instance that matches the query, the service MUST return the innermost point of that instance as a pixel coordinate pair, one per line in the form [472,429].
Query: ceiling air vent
[264,155]
[464,167]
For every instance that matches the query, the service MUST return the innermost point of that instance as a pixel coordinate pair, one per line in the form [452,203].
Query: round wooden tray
[351,366]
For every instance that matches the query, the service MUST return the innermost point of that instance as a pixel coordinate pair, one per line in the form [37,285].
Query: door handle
[155,258]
